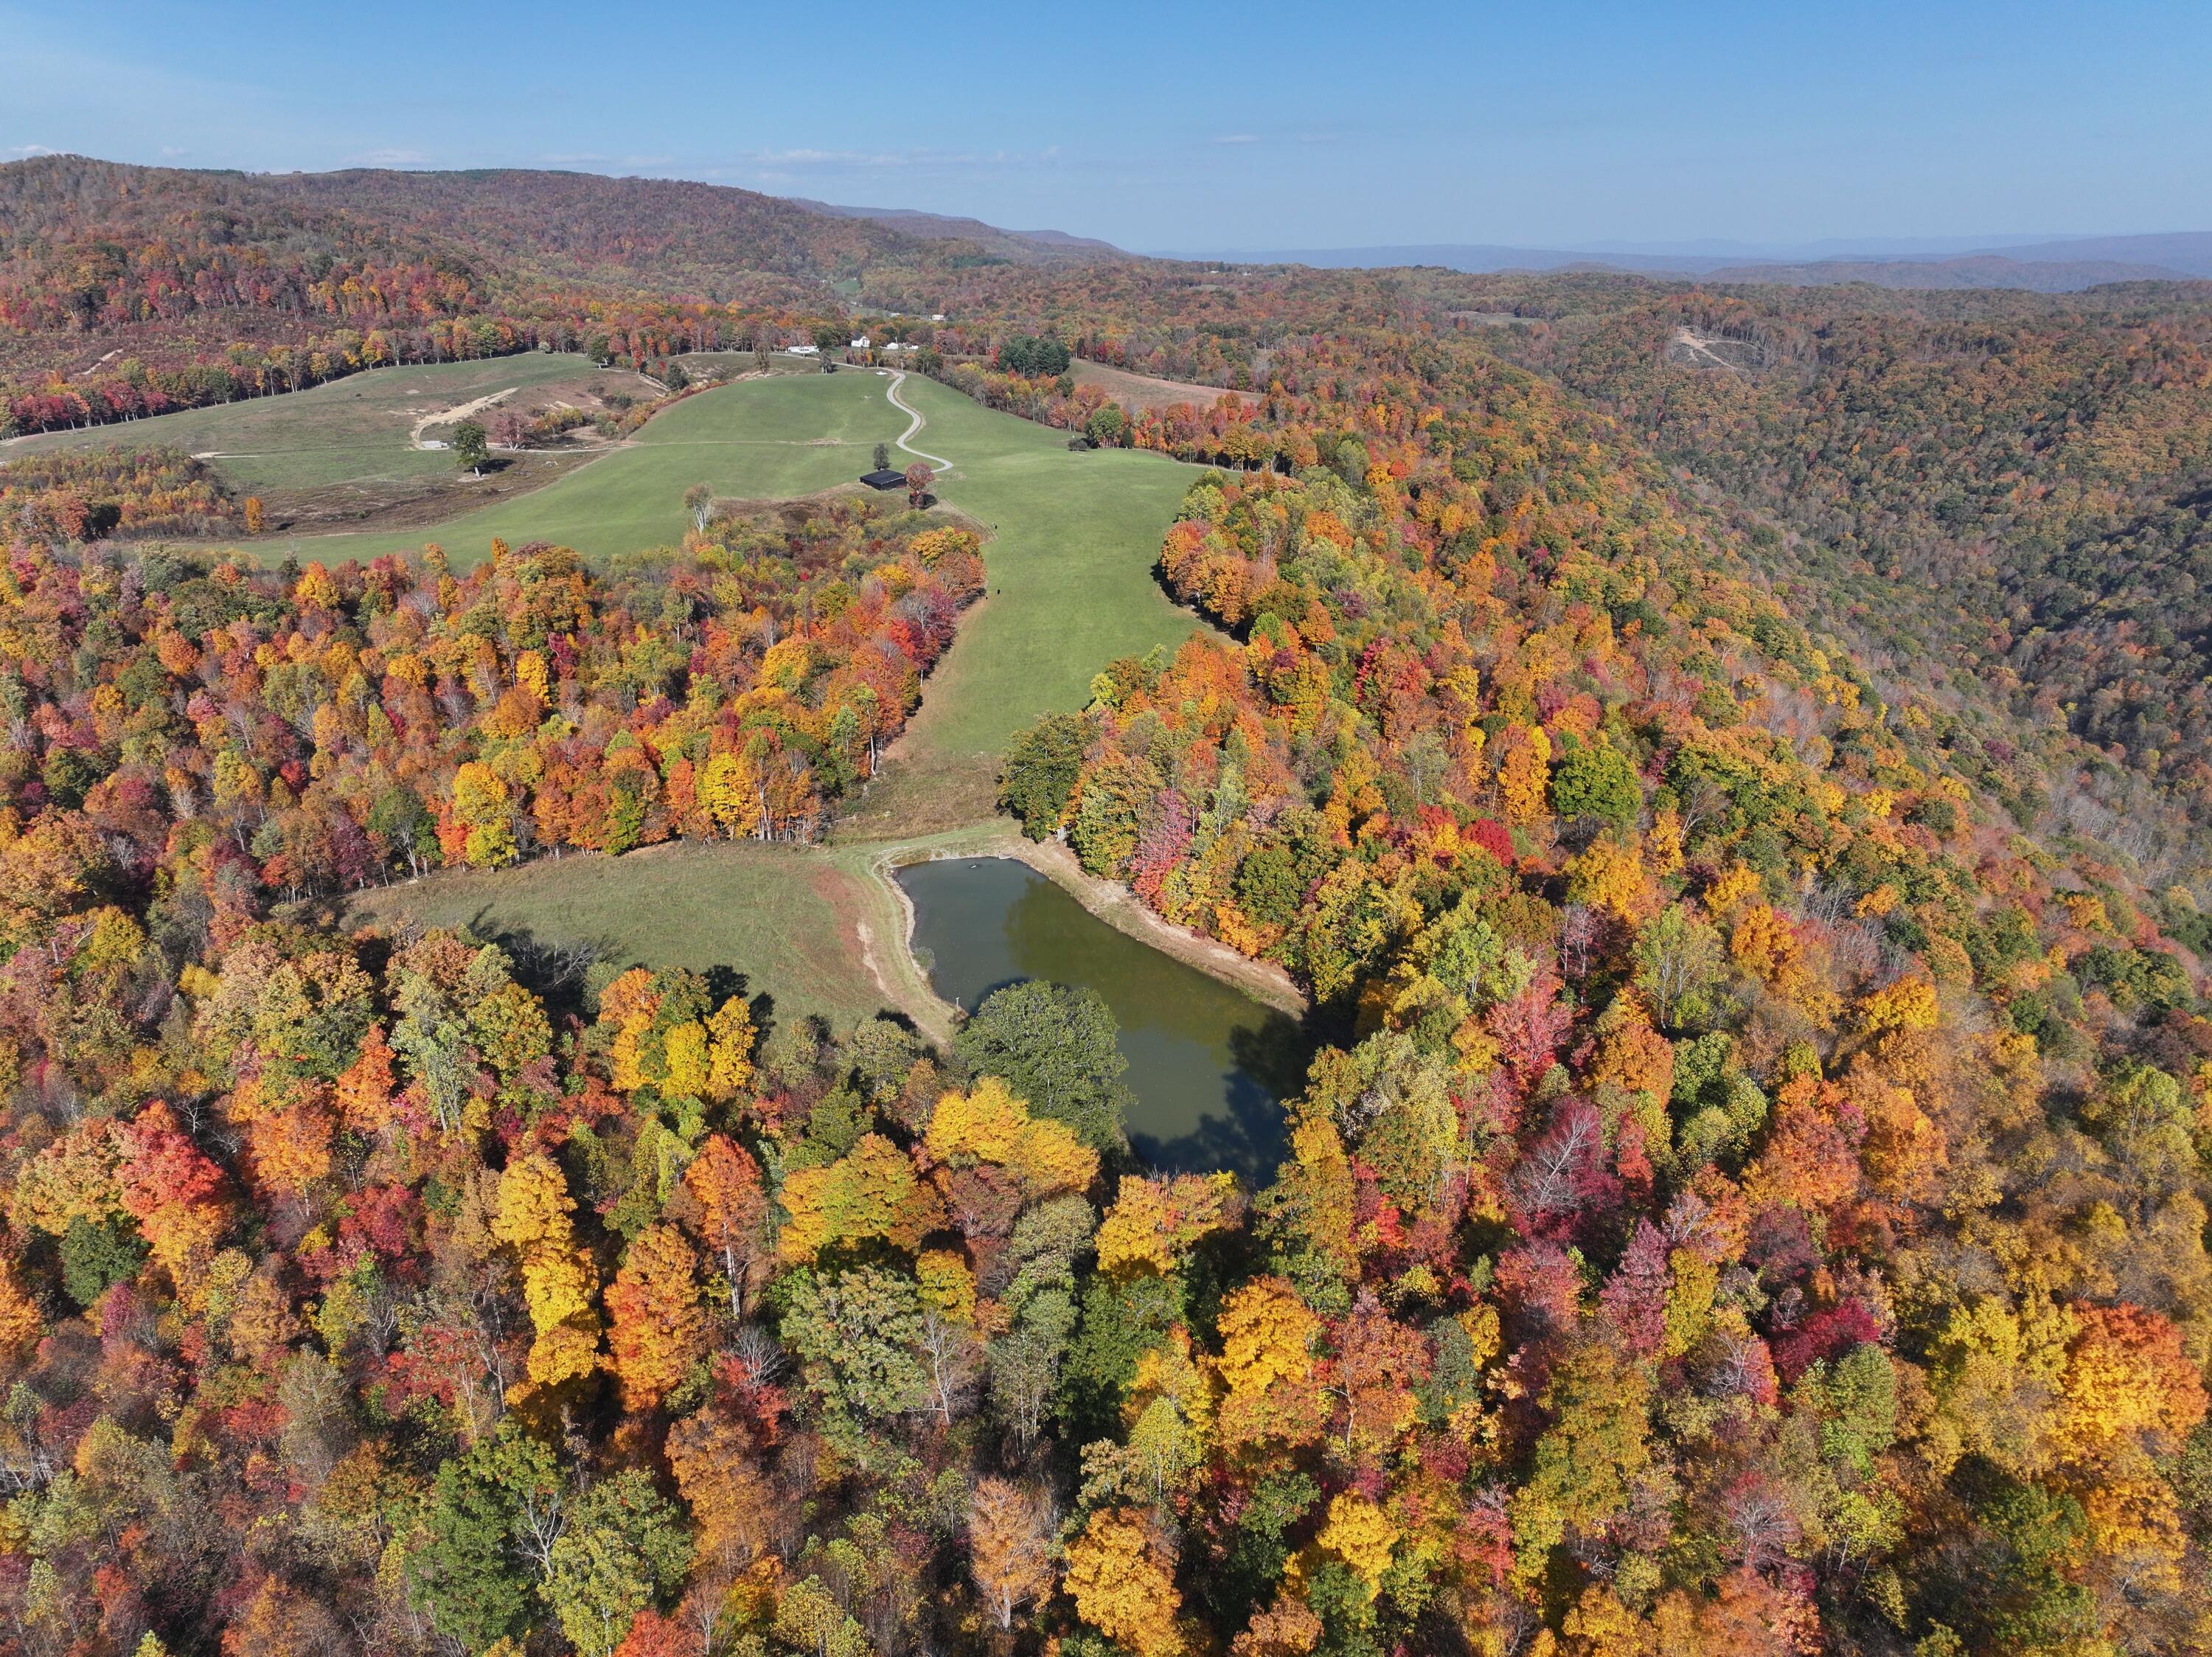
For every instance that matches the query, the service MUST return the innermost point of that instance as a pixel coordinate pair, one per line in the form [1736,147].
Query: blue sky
[1188,126]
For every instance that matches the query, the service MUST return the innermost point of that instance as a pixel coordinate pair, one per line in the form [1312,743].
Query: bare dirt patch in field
[454,416]
[1145,394]
[402,500]
[594,391]
[398,503]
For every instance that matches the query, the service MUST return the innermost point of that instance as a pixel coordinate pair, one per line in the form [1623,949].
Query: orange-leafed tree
[291,1148]
[733,1501]
[727,1212]
[364,1091]
[2127,1376]
[659,1330]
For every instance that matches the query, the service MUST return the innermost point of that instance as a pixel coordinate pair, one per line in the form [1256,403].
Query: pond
[1208,1064]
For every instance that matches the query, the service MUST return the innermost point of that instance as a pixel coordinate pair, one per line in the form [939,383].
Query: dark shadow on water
[1251,1136]
[1247,1140]
[1275,1053]
[975,998]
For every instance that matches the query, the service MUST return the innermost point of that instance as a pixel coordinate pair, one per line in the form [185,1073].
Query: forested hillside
[2009,490]
[127,290]
[1750,1196]
[340,727]
[1660,938]
[2001,494]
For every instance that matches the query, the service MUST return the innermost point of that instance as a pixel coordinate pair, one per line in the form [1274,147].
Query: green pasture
[784,917]
[344,431]
[1074,534]
[1074,538]
[764,438]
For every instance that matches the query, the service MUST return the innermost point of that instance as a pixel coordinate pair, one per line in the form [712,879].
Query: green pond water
[1208,1064]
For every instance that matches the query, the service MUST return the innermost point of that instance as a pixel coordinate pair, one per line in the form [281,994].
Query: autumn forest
[1736,829]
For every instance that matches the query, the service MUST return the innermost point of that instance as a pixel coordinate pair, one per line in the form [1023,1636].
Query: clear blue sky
[1191,126]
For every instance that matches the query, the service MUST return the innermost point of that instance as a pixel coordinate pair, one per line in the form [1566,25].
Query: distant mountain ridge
[2187,251]
[662,235]
[2061,266]
[1975,270]
[1017,243]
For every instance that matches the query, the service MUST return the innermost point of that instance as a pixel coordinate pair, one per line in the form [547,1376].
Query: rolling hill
[2040,276]
[69,219]
[150,289]
[1030,246]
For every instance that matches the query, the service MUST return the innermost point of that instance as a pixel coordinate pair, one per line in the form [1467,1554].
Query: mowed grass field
[761,439]
[1073,539]
[1073,534]
[353,431]
[784,917]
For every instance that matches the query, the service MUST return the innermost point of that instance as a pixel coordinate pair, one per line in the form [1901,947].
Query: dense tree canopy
[330,729]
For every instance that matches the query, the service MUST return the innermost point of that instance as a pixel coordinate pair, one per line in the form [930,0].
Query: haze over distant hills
[1017,243]
[652,233]
[2052,265]
[2036,264]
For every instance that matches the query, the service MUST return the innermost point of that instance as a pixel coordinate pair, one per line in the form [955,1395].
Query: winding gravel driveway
[898,378]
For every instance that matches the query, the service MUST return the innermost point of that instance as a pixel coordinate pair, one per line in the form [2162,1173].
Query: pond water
[1208,1064]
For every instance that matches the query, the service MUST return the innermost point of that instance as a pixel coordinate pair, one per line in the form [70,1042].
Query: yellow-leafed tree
[558,1279]
[989,1124]
[1120,1577]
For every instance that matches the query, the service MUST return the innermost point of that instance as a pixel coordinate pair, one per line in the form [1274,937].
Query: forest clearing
[1071,540]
